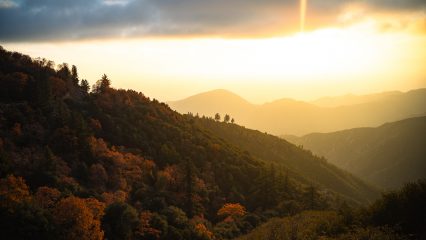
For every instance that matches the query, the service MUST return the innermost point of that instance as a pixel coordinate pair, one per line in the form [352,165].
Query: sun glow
[313,56]
[330,61]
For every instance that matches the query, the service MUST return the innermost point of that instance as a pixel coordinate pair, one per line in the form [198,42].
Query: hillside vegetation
[398,215]
[388,156]
[301,164]
[112,163]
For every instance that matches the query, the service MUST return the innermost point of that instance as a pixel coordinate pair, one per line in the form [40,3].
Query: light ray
[303,5]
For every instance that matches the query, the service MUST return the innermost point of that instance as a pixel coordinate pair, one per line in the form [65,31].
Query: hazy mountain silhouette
[351,99]
[388,156]
[287,116]
[216,101]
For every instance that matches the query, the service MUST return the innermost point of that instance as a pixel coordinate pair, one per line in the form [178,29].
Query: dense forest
[81,162]
[300,164]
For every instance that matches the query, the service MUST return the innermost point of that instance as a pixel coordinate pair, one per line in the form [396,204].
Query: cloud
[400,4]
[7,4]
[51,20]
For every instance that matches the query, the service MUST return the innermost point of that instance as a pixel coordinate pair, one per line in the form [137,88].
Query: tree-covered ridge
[302,165]
[388,156]
[109,154]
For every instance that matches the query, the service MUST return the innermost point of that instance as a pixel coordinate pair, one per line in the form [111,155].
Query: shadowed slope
[388,156]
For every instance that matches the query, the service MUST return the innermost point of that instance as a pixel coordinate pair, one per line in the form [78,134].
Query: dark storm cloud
[22,20]
[57,19]
[79,19]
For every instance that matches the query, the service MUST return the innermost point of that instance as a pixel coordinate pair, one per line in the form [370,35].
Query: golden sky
[349,48]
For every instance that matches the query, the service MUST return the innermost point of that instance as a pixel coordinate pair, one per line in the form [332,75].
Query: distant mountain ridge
[287,116]
[216,101]
[387,156]
[351,99]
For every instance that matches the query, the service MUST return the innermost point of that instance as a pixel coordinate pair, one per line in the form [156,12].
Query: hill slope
[301,163]
[388,156]
[116,154]
[288,116]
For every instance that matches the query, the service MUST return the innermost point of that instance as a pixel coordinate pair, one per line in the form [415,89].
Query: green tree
[45,169]
[102,84]
[405,209]
[74,75]
[120,221]
[311,197]
[64,71]
[84,84]
[226,118]
[44,93]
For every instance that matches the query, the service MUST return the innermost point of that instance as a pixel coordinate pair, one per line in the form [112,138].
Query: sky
[171,49]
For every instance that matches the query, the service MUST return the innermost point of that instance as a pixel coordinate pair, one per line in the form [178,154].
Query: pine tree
[84,84]
[74,75]
[102,84]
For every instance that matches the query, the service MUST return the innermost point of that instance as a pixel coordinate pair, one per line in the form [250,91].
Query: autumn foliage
[232,211]
[76,220]
[13,191]
[203,231]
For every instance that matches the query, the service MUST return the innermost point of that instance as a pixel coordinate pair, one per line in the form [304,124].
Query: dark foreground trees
[397,215]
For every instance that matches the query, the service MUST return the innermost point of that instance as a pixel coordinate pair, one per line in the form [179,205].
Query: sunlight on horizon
[333,61]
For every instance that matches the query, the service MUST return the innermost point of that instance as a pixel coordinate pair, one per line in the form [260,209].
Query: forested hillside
[388,156]
[73,161]
[300,164]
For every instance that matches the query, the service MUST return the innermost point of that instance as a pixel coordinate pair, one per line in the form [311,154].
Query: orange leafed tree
[75,220]
[203,231]
[97,207]
[232,211]
[13,191]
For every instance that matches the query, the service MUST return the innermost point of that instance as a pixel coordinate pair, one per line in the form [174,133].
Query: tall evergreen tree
[102,84]
[74,75]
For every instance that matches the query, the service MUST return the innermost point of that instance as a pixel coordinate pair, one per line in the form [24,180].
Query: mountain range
[388,156]
[291,117]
